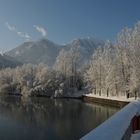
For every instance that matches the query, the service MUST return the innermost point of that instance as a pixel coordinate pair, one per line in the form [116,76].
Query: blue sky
[64,20]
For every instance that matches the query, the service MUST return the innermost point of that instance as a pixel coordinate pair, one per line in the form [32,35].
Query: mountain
[42,51]
[7,61]
[46,51]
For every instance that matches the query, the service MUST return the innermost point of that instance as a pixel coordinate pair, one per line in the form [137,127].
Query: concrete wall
[102,101]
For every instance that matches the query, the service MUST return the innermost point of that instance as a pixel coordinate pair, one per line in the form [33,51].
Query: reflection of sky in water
[42,118]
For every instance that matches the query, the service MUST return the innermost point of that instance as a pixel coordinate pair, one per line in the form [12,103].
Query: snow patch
[136,136]
[17,52]
[117,98]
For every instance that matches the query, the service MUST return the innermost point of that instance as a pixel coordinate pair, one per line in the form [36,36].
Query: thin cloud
[24,35]
[40,30]
[11,28]
[19,33]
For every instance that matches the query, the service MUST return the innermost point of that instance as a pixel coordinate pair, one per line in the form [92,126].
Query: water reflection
[49,119]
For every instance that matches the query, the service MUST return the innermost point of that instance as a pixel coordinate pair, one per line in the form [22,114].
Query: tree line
[64,79]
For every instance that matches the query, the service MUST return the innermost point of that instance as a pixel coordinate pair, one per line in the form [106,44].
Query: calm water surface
[49,119]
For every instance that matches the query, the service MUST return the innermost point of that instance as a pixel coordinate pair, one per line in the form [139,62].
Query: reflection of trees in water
[63,116]
[98,114]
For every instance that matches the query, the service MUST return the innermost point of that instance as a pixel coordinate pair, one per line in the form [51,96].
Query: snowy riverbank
[117,98]
[116,101]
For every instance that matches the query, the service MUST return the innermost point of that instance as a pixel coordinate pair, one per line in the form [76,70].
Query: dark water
[49,119]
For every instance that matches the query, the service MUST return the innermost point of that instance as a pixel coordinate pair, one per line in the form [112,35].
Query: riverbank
[103,100]
[111,101]
[71,95]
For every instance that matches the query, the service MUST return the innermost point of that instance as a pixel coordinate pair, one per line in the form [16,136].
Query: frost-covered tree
[62,62]
[67,64]
[114,68]
[94,73]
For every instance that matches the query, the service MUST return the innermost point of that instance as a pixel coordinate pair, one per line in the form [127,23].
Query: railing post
[138,122]
[135,123]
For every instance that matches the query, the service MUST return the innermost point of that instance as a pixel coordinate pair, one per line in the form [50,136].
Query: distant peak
[45,40]
[28,42]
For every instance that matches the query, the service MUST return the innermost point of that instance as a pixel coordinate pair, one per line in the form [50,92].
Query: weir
[120,126]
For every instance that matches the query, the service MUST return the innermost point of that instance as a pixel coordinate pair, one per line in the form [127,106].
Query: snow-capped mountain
[42,51]
[7,61]
[46,51]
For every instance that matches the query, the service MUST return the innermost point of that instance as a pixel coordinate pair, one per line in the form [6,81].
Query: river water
[49,119]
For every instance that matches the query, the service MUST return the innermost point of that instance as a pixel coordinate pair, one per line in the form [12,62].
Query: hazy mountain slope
[45,51]
[7,61]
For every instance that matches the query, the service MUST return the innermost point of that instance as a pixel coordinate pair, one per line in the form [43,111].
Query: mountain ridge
[46,51]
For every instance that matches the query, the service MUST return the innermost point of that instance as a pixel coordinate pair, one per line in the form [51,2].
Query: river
[49,119]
